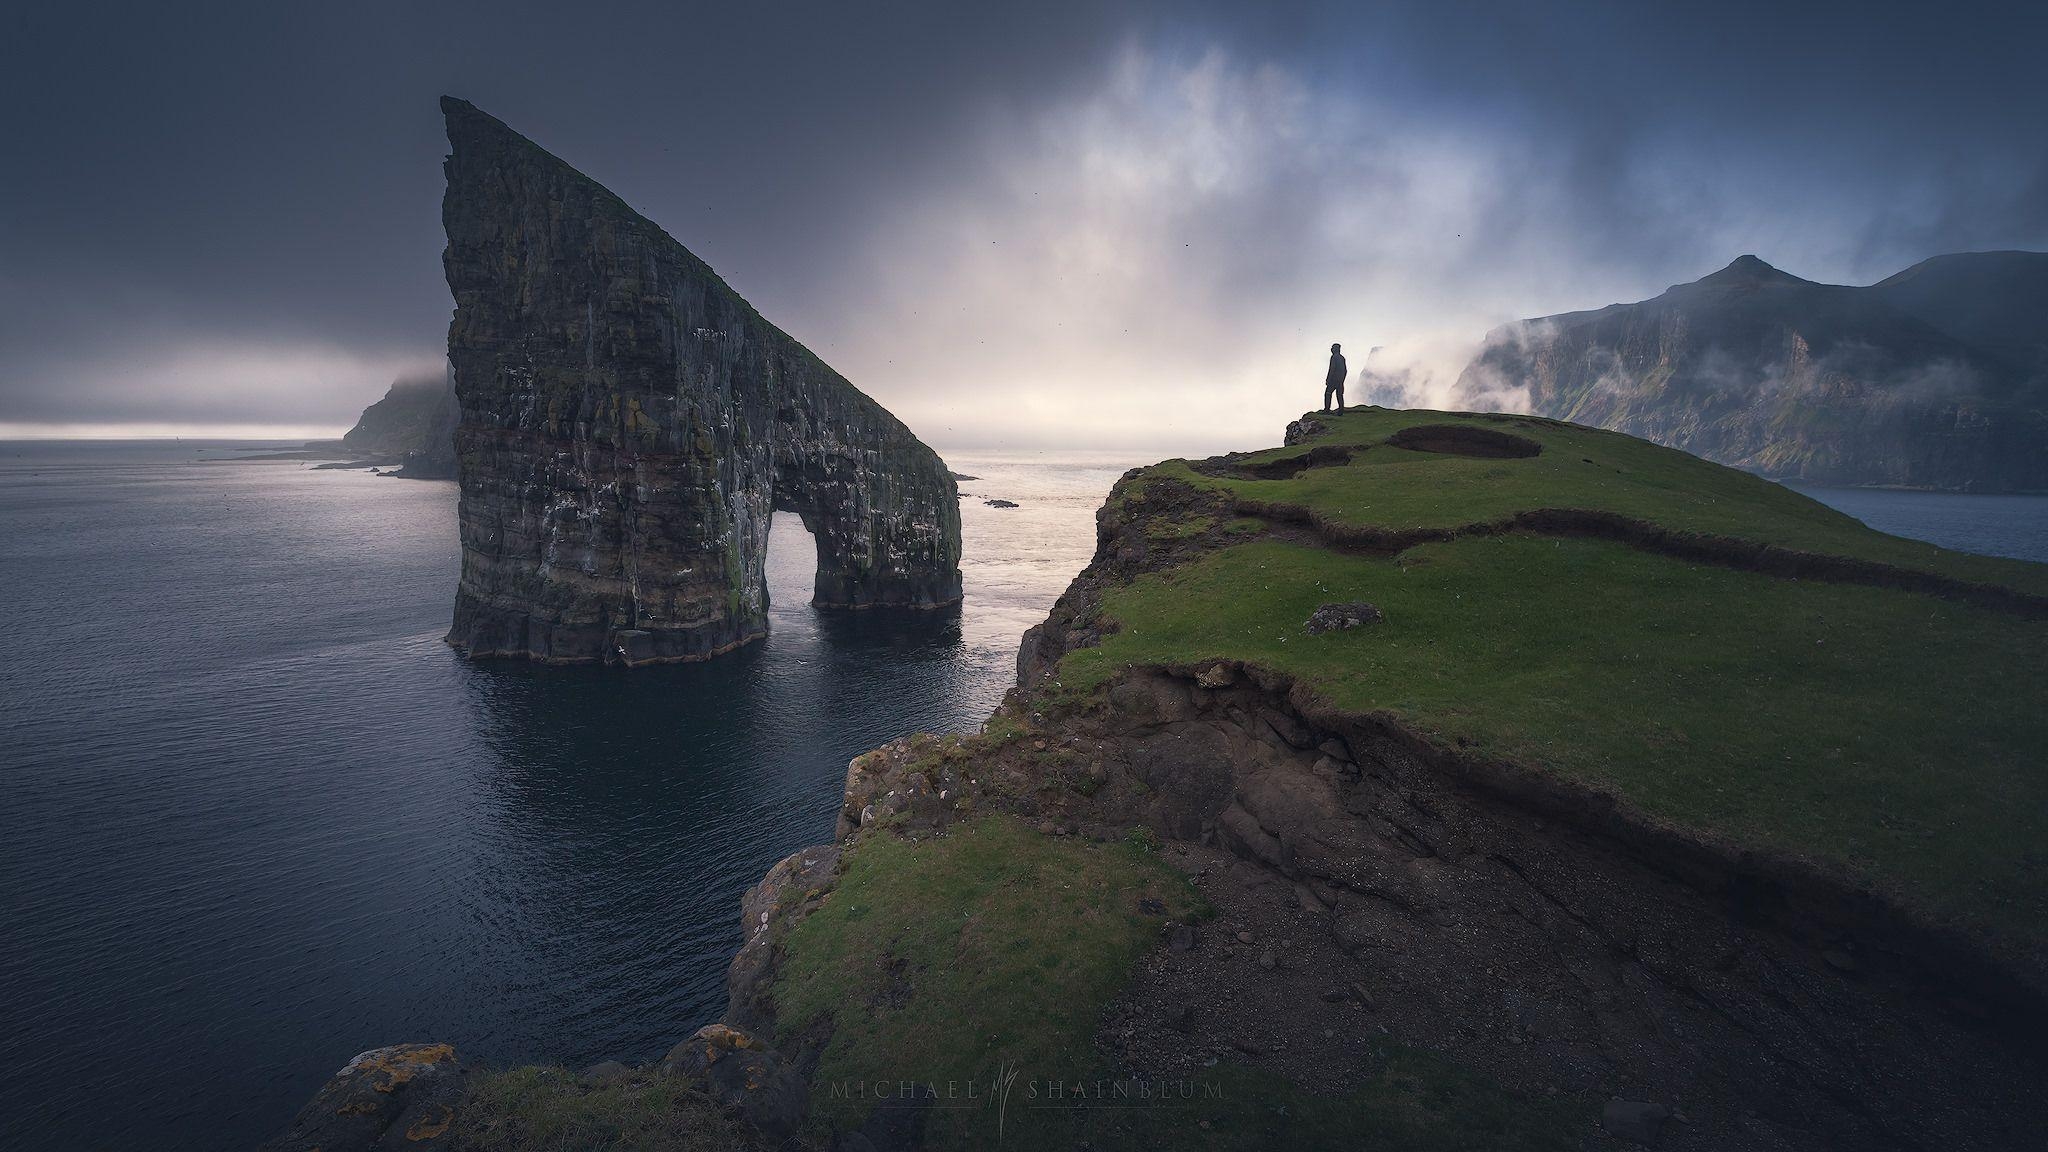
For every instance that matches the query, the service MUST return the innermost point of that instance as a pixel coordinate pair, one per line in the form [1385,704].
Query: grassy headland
[1890,736]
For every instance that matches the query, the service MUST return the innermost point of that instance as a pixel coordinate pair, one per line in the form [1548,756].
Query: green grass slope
[1896,739]
[941,965]
[949,960]
[1395,489]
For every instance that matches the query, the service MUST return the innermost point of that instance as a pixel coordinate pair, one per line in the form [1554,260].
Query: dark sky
[1085,223]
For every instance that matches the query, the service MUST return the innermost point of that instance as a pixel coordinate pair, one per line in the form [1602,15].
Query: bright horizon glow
[145,431]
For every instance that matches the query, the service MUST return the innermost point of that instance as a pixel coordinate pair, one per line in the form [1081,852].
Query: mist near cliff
[1072,224]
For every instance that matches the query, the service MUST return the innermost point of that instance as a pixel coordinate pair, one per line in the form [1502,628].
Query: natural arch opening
[790,570]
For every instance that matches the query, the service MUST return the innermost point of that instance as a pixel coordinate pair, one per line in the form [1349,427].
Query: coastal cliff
[629,424]
[1519,785]
[1436,781]
[411,425]
[1934,378]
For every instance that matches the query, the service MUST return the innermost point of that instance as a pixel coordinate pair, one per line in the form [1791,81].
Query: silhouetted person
[1334,381]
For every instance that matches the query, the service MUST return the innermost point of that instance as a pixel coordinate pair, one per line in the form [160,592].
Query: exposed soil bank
[1531,932]
[1696,547]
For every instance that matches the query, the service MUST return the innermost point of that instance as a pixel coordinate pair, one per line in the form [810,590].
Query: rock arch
[629,425]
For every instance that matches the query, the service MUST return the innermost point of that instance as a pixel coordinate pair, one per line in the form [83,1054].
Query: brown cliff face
[629,424]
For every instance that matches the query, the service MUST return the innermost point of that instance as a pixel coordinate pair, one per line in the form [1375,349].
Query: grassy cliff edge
[1625,799]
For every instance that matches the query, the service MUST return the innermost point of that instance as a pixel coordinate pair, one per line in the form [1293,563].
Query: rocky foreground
[1439,781]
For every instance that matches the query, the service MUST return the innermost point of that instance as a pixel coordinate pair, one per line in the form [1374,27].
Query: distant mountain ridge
[1936,377]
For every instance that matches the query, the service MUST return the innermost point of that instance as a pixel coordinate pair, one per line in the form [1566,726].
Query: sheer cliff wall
[629,425]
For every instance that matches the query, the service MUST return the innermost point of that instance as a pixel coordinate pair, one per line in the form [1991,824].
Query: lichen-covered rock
[789,892]
[629,424]
[909,783]
[404,1096]
[745,1075]
[1342,617]
[1303,430]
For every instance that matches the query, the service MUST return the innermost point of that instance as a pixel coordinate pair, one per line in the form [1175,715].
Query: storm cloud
[1062,224]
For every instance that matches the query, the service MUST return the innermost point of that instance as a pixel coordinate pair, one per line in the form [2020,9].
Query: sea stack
[629,425]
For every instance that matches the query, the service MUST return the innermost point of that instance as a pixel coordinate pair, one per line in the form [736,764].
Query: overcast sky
[1065,224]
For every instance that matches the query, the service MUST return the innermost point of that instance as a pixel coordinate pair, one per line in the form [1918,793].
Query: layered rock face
[629,424]
[1934,378]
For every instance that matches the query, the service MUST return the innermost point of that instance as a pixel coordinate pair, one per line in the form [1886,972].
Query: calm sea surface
[257,818]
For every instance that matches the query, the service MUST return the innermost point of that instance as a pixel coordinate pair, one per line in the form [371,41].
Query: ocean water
[257,818]
[2015,526]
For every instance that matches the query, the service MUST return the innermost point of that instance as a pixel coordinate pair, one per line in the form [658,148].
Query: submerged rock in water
[1640,1121]
[629,425]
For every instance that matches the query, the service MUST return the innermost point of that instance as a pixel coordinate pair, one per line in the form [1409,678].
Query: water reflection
[261,819]
[618,814]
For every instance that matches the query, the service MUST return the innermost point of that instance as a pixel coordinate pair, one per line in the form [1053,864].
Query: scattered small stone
[1182,1018]
[1151,905]
[1180,938]
[1216,676]
[1299,431]
[1341,617]
[1359,993]
[1336,996]
[1045,828]
[1637,1120]
[1248,1047]
[1266,960]
[1244,937]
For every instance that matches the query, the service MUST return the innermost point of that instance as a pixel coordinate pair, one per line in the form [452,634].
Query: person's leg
[1326,396]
